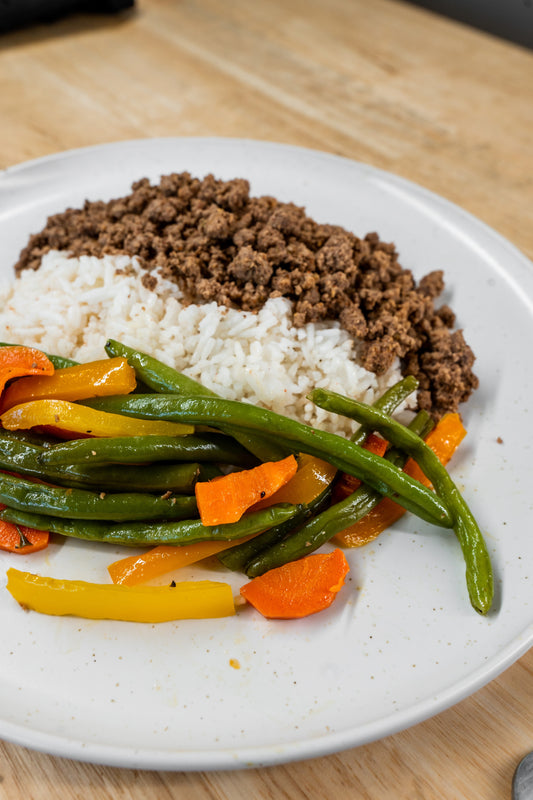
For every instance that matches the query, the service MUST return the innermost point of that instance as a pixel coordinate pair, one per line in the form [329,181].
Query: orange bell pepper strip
[298,588]
[184,600]
[17,360]
[85,421]
[20,539]
[444,440]
[226,498]
[95,379]
[132,570]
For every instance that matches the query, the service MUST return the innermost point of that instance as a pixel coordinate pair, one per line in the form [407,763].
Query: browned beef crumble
[219,243]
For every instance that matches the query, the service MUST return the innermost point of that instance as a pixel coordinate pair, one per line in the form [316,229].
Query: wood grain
[386,83]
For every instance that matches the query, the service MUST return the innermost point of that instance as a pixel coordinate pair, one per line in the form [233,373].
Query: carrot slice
[444,440]
[17,360]
[298,588]
[132,570]
[226,498]
[21,539]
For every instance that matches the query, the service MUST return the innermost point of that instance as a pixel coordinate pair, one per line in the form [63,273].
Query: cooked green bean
[388,403]
[321,528]
[23,456]
[236,558]
[175,478]
[147,449]
[137,534]
[162,378]
[339,452]
[84,504]
[209,470]
[479,577]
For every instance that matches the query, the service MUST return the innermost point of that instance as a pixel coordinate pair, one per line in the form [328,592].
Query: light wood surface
[382,82]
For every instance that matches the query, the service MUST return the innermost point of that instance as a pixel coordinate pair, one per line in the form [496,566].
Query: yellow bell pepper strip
[69,417]
[17,360]
[95,379]
[184,600]
[132,570]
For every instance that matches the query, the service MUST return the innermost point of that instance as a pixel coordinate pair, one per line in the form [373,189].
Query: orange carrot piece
[347,484]
[132,570]
[17,360]
[21,539]
[225,499]
[444,440]
[298,588]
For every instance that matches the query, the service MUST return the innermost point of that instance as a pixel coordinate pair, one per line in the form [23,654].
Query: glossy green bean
[23,456]
[84,504]
[148,449]
[479,577]
[340,452]
[388,403]
[321,528]
[164,379]
[236,558]
[136,534]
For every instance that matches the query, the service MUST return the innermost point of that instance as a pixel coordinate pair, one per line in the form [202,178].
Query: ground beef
[219,243]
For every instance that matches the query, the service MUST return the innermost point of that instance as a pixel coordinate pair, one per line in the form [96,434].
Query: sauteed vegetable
[204,473]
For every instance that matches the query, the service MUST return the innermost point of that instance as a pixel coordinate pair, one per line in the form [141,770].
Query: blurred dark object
[508,19]
[21,13]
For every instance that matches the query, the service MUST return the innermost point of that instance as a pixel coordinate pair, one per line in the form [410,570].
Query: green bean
[164,379]
[388,403]
[321,528]
[59,362]
[84,504]
[23,456]
[340,452]
[136,534]
[479,577]
[202,447]
[147,449]
[175,478]
[29,436]
[209,471]
[236,558]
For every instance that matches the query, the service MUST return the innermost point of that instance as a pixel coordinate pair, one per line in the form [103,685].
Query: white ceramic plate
[401,642]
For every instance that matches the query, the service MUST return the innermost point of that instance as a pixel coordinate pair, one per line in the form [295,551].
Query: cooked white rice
[70,306]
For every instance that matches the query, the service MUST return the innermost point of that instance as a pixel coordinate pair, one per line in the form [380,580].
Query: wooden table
[385,83]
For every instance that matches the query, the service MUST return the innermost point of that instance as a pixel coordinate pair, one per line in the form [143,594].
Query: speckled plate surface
[401,642]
